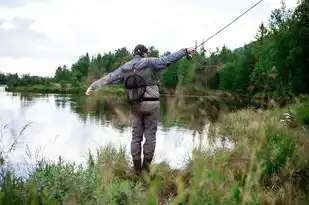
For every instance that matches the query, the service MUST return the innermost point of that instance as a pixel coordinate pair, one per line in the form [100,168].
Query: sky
[37,36]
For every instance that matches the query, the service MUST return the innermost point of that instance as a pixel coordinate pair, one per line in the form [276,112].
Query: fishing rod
[190,57]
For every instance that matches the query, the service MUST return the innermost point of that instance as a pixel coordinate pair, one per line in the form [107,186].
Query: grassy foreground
[268,165]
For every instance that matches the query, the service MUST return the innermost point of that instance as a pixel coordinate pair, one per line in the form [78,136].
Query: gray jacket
[158,63]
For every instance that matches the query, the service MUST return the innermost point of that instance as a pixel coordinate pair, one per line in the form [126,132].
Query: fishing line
[189,57]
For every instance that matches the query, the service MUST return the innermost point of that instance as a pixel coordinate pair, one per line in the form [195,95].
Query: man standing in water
[141,76]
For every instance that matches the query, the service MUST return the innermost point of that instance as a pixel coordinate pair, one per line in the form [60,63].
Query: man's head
[140,50]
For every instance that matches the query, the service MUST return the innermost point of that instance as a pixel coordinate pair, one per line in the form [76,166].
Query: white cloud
[75,27]
[7,26]
[44,67]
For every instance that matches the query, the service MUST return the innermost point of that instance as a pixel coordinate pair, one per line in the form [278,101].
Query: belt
[150,99]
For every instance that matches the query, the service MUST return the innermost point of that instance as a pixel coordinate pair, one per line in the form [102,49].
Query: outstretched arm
[111,78]
[162,62]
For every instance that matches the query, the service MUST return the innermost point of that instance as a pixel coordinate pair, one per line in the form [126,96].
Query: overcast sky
[36,36]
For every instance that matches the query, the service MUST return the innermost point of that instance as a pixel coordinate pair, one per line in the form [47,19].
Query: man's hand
[89,91]
[191,50]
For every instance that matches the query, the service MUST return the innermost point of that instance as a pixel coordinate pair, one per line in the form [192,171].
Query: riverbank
[261,99]
[119,89]
[57,89]
[268,165]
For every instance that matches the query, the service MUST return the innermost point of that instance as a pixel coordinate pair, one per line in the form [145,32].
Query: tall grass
[268,165]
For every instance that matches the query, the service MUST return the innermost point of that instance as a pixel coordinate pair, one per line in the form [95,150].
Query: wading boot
[137,166]
[146,165]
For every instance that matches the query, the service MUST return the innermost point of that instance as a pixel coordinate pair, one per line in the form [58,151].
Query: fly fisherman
[141,76]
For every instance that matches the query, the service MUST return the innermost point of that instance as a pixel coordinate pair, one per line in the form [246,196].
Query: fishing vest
[136,82]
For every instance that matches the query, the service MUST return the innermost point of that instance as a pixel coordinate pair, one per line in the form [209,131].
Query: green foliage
[57,181]
[302,114]
[12,80]
[277,147]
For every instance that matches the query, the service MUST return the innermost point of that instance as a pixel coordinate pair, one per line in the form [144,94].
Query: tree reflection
[189,113]
[29,99]
[102,110]
[61,101]
[197,114]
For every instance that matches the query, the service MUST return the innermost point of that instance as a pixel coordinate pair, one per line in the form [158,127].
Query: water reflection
[70,125]
[188,113]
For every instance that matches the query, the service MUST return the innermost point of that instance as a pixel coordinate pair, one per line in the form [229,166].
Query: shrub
[302,114]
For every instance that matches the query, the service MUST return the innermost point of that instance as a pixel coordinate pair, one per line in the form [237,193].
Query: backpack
[135,87]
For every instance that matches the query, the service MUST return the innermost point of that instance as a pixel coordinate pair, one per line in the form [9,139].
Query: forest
[275,63]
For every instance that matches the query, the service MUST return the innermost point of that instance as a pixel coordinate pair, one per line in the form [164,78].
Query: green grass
[268,165]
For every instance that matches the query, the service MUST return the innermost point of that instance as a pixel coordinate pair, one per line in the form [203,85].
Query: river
[70,125]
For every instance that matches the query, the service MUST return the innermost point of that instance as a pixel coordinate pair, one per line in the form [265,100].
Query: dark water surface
[71,125]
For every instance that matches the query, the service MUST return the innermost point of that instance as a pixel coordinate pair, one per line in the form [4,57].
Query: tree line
[276,62]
